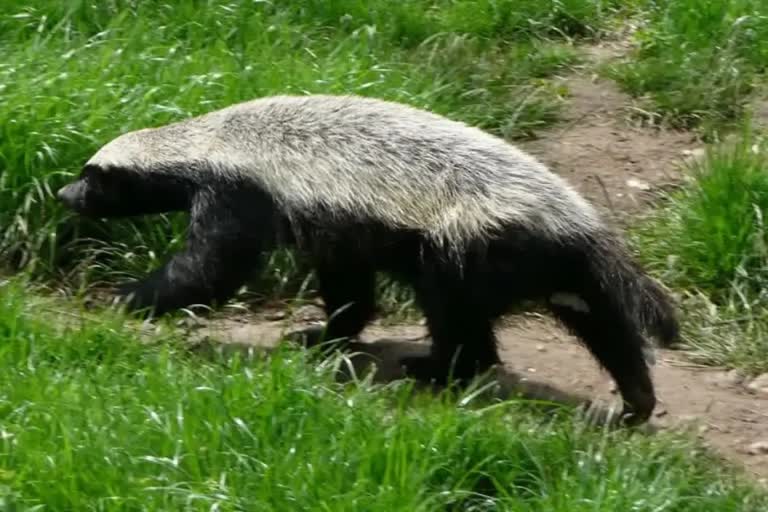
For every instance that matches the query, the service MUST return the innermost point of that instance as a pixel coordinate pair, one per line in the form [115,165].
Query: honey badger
[361,185]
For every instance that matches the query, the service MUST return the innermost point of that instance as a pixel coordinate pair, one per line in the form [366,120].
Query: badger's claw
[638,408]
[134,297]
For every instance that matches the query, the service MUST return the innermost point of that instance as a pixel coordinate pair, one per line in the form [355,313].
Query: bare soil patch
[615,162]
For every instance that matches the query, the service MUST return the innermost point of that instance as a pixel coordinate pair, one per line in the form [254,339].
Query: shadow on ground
[379,360]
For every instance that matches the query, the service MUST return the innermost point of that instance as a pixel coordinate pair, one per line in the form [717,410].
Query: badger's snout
[72,195]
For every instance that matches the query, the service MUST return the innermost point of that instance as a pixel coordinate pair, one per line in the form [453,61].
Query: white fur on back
[345,154]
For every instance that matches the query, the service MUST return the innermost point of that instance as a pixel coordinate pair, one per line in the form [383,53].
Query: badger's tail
[631,291]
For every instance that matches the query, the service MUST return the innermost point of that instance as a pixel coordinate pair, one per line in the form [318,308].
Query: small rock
[541,348]
[694,152]
[687,420]
[308,313]
[758,448]
[640,185]
[274,316]
[759,384]
[735,377]
[191,322]
[727,379]
[532,370]
[692,155]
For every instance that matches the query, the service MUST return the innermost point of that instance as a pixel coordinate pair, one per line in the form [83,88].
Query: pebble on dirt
[758,448]
[726,379]
[274,316]
[759,384]
[640,185]
[308,313]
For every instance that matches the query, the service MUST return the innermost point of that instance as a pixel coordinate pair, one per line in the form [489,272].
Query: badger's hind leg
[347,287]
[617,346]
[461,328]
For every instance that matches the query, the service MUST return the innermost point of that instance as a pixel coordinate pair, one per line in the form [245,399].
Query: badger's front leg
[228,231]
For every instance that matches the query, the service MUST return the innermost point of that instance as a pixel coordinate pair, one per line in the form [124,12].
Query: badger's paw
[134,297]
[124,295]
[425,369]
[638,409]
[441,373]
[632,417]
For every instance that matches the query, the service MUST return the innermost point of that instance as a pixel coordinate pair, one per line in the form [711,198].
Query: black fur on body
[235,219]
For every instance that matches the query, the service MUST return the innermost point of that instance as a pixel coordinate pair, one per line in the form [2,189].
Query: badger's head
[135,174]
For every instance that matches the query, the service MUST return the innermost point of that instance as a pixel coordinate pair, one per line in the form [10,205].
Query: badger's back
[362,157]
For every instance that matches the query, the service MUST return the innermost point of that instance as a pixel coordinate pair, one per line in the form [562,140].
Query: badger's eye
[90,170]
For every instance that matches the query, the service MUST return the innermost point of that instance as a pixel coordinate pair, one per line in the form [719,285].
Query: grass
[90,419]
[730,334]
[697,61]
[76,74]
[709,240]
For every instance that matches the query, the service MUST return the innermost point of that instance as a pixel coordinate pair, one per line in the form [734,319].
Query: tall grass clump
[697,60]
[94,420]
[711,233]
[731,333]
[76,74]
[709,241]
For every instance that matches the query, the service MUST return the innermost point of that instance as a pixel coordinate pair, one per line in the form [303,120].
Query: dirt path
[613,163]
[728,416]
[618,166]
